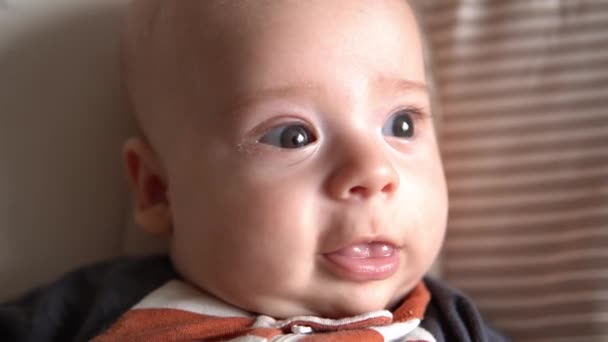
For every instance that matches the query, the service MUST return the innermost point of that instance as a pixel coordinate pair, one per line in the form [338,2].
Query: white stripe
[288,338]
[248,338]
[507,141]
[533,80]
[454,71]
[482,123]
[541,280]
[550,160]
[530,199]
[521,24]
[555,319]
[419,334]
[477,181]
[264,321]
[500,222]
[544,260]
[464,51]
[178,295]
[531,239]
[521,102]
[537,301]
[396,331]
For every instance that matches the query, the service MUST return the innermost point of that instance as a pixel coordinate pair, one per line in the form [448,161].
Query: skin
[251,222]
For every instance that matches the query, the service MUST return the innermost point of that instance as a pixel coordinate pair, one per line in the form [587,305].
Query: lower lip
[364,269]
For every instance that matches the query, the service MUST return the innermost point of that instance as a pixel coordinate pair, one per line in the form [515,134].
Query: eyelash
[267,126]
[417,113]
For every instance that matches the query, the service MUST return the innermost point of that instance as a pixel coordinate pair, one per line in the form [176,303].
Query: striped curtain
[523,87]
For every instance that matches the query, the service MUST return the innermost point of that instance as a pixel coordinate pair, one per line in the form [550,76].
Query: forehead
[262,43]
[238,29]
[221,48]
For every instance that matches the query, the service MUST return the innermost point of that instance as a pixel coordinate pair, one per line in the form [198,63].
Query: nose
[363,172]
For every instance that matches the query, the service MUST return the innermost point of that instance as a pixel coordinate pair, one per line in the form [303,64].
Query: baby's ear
[148,185]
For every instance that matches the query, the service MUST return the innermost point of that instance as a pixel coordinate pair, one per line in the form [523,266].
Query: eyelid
[287,120]
[277,132]
[418,112]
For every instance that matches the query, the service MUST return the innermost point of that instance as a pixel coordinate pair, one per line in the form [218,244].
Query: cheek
[277,217]
[422,210]
[241,220]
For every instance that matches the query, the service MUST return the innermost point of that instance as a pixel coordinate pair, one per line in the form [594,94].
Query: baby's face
[308,179]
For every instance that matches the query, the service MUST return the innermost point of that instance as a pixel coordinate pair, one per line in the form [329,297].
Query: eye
[400,125]
[289,136]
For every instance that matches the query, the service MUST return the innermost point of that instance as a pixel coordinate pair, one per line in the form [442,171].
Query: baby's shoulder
[452,316]
[82,303]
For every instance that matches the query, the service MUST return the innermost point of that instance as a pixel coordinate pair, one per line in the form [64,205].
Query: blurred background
[522,104]
[523,93]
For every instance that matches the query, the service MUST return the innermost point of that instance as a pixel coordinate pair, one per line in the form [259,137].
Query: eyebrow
[247,99]
[401,84]
[382,81]
[389,83]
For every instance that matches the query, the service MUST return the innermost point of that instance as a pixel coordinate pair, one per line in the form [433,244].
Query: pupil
[402,127]
[294,137]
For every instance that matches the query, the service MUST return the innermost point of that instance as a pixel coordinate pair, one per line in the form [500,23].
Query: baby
[289,156]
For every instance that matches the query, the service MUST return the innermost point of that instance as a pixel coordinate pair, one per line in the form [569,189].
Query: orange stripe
[264,332]
[360,335]
[170,324]
[414,304]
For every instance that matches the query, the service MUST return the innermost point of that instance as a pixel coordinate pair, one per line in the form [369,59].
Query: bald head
[179,54]
[149,64]
[170,48]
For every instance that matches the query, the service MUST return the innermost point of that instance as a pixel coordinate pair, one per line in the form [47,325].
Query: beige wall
[63,199]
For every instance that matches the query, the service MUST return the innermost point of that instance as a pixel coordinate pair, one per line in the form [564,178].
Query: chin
[358,303]
[353,309]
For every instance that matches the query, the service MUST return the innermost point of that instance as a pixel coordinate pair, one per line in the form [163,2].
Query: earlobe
[154,220]
[148,185]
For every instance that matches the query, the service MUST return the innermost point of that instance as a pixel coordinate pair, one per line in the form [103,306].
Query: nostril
[388,188]
[362,191]
[358,191]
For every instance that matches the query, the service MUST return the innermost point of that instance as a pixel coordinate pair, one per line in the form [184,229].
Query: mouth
[364,261]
